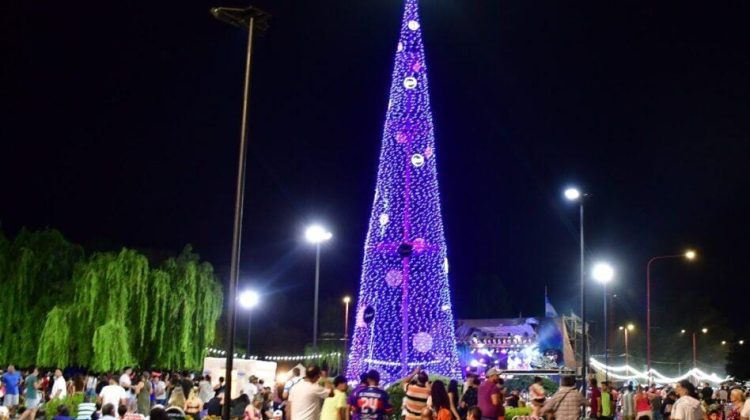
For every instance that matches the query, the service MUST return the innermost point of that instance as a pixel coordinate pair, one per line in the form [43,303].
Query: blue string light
[405,262]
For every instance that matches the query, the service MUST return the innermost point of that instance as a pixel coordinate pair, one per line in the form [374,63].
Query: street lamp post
[694,336]
[346,300]
[252,19]
[575,195]
[316,234]
[248,300]
[626,329]
[690,255]
[604,273]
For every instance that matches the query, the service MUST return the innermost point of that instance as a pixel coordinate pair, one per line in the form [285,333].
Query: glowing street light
[694,336]
[572,194]
[689,255]
[626,329]
[704,330]
[741,342]
[604,273]
[346,301]
[249,299]
[317,234]
[723,342]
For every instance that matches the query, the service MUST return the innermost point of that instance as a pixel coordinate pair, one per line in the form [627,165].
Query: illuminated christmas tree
[404,316]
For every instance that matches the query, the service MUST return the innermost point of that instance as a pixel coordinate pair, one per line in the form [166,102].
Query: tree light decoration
[404,272]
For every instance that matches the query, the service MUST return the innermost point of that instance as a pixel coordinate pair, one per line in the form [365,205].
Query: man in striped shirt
[567,402]
[417,393]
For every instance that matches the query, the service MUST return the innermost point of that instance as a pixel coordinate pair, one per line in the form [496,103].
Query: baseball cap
[492,372]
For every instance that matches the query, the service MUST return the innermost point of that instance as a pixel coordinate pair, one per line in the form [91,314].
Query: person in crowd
[220,387]
[142,390]
[722,394]
[62,413]
[160,390]
[11,381]
[606,403]
[294,380]
[205,390]
[306,397]
[667,404]
[441,404]
[31,392]
[351,401]
[238,406]
[91,382]
[713,412]
[490,396]
[371,402]
[707,394]
[101,383]
[474,413]
[335,407]
[77,385]
[193,405]
[131,411]
[215,404]
[158,413]
[108,412]
[175,413]
[86,410]
[566,403]
[513,399]
[595,396]
[642,403]
[177,398]
[113,394]
[417,391]
[186,382]
[656,403]
[469,398]
[125,379]
[627,402]
[453,397]
[737,397]
[538,395]
[745,412]
[59,387]
[252,411]
[687,407]
[251,387]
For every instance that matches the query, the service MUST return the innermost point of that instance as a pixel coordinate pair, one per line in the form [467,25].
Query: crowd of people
[314,396]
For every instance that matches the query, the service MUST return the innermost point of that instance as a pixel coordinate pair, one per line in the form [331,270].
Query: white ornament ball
[400,47]
[422,342]
[413,25]
[384,219]
[394,278]
[417,160]
[410,82]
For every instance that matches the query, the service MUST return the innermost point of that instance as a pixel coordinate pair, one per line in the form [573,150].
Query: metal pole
[695,352]
[315,309]
[606,348]
[237,231]
[584,356]
[346,332]
[627,356]
[648,319]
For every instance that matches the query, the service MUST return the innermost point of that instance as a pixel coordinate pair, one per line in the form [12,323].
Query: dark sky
[120,125]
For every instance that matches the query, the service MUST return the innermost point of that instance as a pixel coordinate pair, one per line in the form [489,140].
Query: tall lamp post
[626,329]
[346,301]
[575,195]
[695,344]
[689,255]
[252,19]
[604,273]
[316,235]
[249,299]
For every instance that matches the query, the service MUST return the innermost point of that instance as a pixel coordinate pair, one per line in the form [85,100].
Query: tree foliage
[105,311]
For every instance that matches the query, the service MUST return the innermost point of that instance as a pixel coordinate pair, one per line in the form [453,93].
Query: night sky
[120,126]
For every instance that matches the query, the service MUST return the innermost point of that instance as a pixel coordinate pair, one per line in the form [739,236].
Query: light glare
[249,299]
[316,234]
[603,272]
[690,254]
[572,194]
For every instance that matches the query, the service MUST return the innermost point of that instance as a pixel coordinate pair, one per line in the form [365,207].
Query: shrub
[71,401]
[511,412]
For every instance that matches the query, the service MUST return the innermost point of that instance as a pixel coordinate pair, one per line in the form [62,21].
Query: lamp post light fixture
[689,255]
[604,273]
[626,330]
[346,301]
[316,234]
[574,194]
[252,19]
[694,335]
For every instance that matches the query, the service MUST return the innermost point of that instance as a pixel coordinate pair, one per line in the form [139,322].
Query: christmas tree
[404,315]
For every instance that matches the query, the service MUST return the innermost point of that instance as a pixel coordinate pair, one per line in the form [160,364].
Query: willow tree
[54,342]
[35,273]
